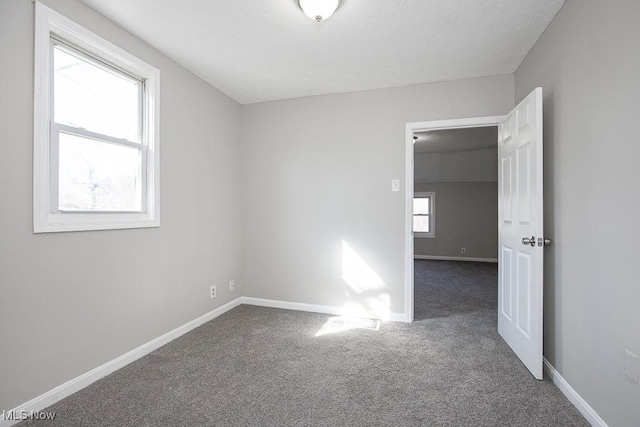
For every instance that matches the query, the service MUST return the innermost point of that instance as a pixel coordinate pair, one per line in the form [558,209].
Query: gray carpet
[262,366]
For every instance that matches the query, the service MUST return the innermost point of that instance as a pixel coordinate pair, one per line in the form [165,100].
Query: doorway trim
[413,127]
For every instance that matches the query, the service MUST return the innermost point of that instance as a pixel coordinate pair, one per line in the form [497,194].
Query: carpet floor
[270,367]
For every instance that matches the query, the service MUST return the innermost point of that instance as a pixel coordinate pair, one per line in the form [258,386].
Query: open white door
[520,229]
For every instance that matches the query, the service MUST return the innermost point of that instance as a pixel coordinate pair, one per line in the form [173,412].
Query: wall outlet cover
[212,291]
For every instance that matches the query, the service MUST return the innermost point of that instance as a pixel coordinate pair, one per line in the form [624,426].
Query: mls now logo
[26,415]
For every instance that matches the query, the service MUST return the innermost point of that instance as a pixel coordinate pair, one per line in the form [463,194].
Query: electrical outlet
[212,291]
[232,285]
[463,250]
[631,367]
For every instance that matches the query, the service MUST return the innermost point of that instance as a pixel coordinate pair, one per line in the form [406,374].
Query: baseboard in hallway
[454,258]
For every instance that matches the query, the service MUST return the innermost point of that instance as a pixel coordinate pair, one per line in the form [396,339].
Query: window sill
[424,235]
[57,223]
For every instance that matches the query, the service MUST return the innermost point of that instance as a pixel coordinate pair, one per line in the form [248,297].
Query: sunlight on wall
[369,299]
[357,273]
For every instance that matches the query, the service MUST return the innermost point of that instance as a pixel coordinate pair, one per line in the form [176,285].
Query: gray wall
[466,216]
[72,301]
[466,189]
[457,166]
[588,61]
[317,173]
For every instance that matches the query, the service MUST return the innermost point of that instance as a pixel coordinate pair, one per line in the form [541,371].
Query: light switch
[395,185]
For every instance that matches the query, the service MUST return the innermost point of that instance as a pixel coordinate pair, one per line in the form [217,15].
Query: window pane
[421,205]
[421,224]
[94,97]
[98,176]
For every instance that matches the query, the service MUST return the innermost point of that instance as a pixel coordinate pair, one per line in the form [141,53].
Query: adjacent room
[455,220]
[319,212]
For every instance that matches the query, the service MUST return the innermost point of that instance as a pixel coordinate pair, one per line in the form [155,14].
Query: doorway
[520,224]
[412,130]
[455,222]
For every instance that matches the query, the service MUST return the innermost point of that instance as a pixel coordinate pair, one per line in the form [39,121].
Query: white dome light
[319,9]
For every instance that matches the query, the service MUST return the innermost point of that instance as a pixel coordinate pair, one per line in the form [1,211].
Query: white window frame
[431,195]
[46,217]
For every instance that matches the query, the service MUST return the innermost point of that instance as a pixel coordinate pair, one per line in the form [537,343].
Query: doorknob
[529,241]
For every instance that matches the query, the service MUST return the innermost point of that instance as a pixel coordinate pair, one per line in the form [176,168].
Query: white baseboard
[52,396]
[58,393]
[583,407]
[315,308]
[68,388]
[454,258]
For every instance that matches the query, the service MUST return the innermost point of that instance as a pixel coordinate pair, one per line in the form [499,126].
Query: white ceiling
[263,50]
[464,139]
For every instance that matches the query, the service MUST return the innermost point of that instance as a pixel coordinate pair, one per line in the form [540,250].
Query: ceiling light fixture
[318,9]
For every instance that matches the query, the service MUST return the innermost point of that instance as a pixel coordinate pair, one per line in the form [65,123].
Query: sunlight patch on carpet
[342,324]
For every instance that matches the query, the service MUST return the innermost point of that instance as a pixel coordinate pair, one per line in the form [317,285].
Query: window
[96,154]
[424,214]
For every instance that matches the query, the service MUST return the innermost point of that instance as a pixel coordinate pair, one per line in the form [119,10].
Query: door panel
[524,293]
[520,216]
[506,184]
[524,189]
[506,267]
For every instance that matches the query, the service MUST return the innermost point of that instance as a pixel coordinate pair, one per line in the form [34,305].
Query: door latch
[545,241]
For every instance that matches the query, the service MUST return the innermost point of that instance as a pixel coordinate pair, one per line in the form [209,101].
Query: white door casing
[411,128]
[520,215]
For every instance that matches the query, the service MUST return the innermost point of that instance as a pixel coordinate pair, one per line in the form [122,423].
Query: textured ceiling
[263,50]
[464,139]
